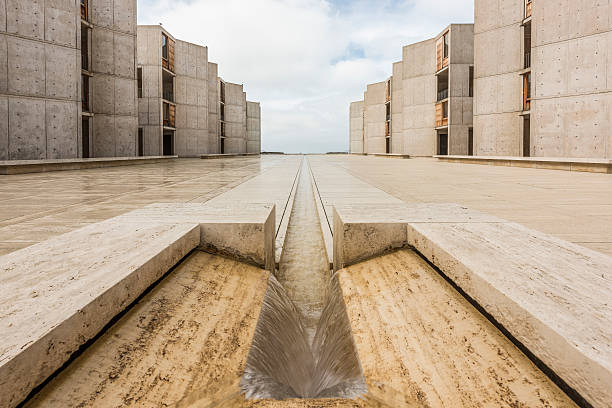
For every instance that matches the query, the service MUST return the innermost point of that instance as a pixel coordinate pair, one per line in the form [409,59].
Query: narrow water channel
[303,347]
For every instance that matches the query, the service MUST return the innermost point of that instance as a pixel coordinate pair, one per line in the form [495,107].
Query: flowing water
[303,346]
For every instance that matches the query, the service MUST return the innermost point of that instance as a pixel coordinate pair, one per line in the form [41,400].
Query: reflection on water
[303,347]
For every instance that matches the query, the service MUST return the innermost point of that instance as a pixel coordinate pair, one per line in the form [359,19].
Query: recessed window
[446,45]
[139,75]
[471,90]
[84,11]
[164,46]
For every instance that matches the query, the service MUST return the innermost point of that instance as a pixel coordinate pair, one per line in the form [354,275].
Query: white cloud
[304,60]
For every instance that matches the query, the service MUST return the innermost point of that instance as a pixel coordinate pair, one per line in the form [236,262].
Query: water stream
[303,346]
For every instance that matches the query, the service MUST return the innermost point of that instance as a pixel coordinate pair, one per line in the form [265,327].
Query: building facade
[425,108]
[253,127]
[185,109]
[67,79]
[543,78]
[357,136]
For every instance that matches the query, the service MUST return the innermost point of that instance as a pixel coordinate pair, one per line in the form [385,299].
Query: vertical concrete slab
[61,129]
[2,15]
[61,72]
[3,63]
[104,136]
[60,17]
[26,18]
[102,13]
[124,55]
[125,136]
[26,67]
[124,96]
[124,15]
[4,123]
[27,129]
[103,87]
[102,52]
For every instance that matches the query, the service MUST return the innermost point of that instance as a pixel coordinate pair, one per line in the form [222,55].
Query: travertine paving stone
[35,207]
[573,206]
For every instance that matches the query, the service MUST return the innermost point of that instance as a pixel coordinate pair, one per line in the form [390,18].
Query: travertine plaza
[164,261]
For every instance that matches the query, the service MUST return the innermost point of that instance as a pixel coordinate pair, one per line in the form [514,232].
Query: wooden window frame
[527,92]
[528,8]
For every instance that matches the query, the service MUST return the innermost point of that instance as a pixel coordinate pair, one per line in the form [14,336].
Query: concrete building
[185,108]
[425,108]
[253,127]
[543,79]
[232,118]
[173,95]
[67,79]
[356,117]
[214,141]
[377,117]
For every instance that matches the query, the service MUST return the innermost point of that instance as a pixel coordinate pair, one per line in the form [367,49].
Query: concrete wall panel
[61,72]
[3,63]
[26,18]
[102,53]
[61,129]
[124,15]
[104,136]
[4,122]
[27,129]
[124,55]
[103,91]
[126,137]
[2,15]
[102,13]
[60,17]
[587,64]
[125,101]
[26,67]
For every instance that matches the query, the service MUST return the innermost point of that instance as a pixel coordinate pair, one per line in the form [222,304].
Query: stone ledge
[551,295]
[228,155]
[551,163]
[8,167]
[58,294]
[389,155]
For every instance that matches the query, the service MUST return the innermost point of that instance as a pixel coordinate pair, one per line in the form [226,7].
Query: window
[471,91]
[527,92]
[446,45]
[139,76]
[470,142]
[164,46]
[527,8]
[140,142]
[166,114]
[527,45]
[84,48]
[85,93]
[84,10]
[445,110]
[85,136]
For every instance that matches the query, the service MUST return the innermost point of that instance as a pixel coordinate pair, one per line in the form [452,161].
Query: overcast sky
[304,60]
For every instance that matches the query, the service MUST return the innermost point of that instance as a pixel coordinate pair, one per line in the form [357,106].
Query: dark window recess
[443,144]
[85,136]
[445,110]
[526,137]
[139,76]
[222,111]
[471,90]
[222,92]
[164,46]
[388,111]
[388,145]
[168,86]
[140,142]
[168,143]
[85,93]
[84,9]
[446,45]
[84,48]
[222,146]
[470,142]
[527,45]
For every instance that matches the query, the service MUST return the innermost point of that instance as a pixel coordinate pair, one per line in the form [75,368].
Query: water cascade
[303,346]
